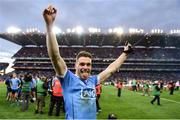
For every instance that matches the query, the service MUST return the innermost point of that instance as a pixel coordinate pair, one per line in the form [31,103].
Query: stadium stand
[156,57]
[3,67]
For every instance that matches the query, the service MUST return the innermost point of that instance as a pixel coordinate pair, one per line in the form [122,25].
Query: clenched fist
[49,15]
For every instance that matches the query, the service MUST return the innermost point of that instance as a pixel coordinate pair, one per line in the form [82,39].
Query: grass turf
[131,105]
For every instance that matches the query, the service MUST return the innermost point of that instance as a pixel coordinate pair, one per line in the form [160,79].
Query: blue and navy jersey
[79,96]
[33,83]
[15,82]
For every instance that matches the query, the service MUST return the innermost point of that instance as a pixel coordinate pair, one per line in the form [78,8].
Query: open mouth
[85,71]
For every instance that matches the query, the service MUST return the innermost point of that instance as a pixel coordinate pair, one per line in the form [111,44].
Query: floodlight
[176,31]
[56,30]
[118,30]
[98,30]
[91,30]
[141,31]
[157,31]
[27,30]
[13,30]
[110,30]
[94,30]
[132,30]
[79,30]
[68,30]
[152,31]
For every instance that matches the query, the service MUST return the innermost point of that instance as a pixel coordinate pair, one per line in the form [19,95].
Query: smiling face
[83,67]
[14,75]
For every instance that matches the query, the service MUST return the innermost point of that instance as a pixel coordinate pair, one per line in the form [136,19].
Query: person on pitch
[78,89]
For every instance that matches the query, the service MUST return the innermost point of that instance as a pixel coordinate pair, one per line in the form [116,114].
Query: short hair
[83,54]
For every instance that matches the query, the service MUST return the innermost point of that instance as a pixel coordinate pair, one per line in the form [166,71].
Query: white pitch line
[170,100]
[164,99]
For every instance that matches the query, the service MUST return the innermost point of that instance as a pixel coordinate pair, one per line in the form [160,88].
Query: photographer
[26,89]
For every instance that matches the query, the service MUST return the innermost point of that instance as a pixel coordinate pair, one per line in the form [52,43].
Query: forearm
[54,54]
[114,66]
[52,45]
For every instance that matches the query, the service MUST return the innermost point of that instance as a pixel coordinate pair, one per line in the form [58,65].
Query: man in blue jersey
[79,88]
[15,84]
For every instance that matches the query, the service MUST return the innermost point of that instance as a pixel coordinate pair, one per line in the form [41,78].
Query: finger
[46,11]
[54,10]
[50,7]
[129,44]
[126,43]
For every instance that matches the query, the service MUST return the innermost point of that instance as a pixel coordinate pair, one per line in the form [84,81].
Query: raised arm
[59,64]
[114,66]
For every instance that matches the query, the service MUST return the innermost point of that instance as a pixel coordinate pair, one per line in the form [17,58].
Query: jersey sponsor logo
[88,93]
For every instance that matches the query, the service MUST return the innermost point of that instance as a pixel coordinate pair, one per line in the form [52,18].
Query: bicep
[59,66]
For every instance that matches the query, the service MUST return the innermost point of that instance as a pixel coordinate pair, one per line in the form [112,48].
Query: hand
[128,48]
[49,15]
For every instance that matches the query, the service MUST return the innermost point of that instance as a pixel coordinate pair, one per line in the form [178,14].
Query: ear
[76,64]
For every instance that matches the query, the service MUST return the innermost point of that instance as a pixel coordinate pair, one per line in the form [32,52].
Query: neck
[76,73]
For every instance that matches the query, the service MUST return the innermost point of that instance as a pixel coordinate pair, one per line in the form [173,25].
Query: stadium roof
[95,39]
[3,66]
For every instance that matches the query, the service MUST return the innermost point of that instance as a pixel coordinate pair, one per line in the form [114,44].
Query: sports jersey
[33,83]
[79,96]
[26,87]
[15,82]
[39,86]
[156,90]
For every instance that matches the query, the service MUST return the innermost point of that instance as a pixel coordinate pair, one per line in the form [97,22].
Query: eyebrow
[83,63]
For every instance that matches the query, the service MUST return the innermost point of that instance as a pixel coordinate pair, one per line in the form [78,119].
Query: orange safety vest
[56,88]
[98,89]
[119,85]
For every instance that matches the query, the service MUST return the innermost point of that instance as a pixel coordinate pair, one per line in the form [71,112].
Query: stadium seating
[144,63]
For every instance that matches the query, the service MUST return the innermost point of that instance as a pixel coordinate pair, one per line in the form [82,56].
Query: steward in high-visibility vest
[41,92]
[26,89]
[56,88]
[98,89]
[56,96]
[98,95]
[146,88]
[119,86]
[134,83]
[156,92]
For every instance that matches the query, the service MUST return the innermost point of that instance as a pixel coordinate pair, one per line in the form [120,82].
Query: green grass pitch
[131,105]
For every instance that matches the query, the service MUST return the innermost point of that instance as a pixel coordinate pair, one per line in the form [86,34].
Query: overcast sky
[146,14]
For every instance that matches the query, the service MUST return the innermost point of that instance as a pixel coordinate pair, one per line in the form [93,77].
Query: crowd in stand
[147,63]
[68,52]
